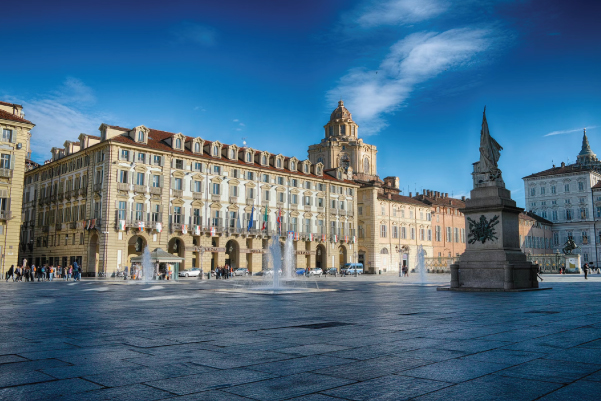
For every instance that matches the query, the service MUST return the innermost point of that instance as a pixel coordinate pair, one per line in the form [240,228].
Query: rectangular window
[553,190]
[156,209]
[124,154]
[555,214]
[437,234]
[280,180]
[294,182]
[177,214]
[281,197]
[422,234]
[569,214]
[233,190]
[5,161]
[140,179]
[265,178]
[403,233]
[395,232]
[179,164]
[196,217]
[320,202]
[217,170]
[412,232]
[139,211]
[532,191]
[197,186]
[123,176]
[542,190]
[156,160]
[121,211]
[216,189]
[177,184]
[7,135]
[142,157]
[360,210]
[581,186]
[294,200]
[383,211]
[156,181]
[456,231]
[383,231]
[567,187]
[266,195]
[198,166]
[449,237]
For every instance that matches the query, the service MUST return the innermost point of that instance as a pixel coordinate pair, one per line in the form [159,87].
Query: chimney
[389,196]
[437,194]
[410,195]
[563,164]
[446,194]
[463,198]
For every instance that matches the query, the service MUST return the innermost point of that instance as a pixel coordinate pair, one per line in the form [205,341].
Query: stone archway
[320,257]
[176,247]
[232,254]
[135,247]
[93,253]
[342,257]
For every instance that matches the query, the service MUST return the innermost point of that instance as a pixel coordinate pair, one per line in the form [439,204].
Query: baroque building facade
[565,195]
[102,199]
[15,139]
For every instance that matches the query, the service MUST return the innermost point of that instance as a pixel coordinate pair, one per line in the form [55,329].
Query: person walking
[28,274]
[11,273]
[585,270]
[69,272]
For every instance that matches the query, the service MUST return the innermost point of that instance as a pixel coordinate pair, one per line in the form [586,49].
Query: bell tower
[342,147]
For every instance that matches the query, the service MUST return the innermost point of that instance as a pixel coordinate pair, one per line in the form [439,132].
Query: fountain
[421,264]
[147,266]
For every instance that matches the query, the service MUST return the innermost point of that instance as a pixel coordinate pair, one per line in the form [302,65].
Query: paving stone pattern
[371,339]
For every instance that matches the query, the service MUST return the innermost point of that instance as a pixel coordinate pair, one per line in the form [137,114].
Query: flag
[346,239]
[335,237]
[354,239]
[141,225]
[159,227]
[88,225]
[92,224]
[196,230]
[121,225]
[265,219]
[184,229]
[250,222]
[323,238]
[296,236]
[311,237]
[213,231]
[238,224]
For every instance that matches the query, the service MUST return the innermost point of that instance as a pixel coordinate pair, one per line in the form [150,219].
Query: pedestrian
[27,273]
[69,272]
[585,270]
[11,273]
[42,273]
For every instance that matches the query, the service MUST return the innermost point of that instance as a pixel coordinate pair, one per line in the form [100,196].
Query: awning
[160,256]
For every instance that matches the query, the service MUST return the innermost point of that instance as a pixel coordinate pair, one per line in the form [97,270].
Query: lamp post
[557,254]
[355,257]
[202,252]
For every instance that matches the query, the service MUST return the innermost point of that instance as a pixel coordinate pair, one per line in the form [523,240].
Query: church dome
[340,112]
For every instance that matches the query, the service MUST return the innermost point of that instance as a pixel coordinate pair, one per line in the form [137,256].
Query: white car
[316,272]
[193,272]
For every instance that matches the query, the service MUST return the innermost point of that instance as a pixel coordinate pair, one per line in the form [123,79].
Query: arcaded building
[100,200]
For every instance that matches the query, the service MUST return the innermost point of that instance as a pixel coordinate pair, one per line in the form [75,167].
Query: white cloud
[196,33]
[398,12]
[236,120]
[242,124]
[411,61]
[60,115]
[569,131]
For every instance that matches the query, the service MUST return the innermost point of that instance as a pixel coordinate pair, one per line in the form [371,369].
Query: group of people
[46,272]
[223,272]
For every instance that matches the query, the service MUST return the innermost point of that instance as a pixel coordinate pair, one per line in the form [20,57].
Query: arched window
[197,147]
[178,143]
[264,160]
[279,163]
[140,136]
[331,130]
[215,150]
[320,160]
[343,129]
[366,165]
[248,157]
[384,251]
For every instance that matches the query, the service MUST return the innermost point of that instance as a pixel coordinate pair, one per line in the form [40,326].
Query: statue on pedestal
[490,152]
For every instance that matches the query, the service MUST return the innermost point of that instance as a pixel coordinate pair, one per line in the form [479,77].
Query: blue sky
[416,75]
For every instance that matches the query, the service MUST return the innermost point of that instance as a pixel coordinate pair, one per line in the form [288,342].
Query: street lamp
[557,254]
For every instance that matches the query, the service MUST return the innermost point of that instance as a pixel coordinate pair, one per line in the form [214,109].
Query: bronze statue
[569,246]
[490,152]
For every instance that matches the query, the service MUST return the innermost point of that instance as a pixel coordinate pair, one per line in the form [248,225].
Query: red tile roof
[11,104]
[572,168]
[597,185]
[441,201]
[533,217]
[156,140]
[5,115]
[401,199]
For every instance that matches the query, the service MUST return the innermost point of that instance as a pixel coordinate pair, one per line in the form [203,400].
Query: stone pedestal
[493,260]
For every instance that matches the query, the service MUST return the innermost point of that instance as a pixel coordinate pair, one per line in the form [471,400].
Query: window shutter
[185,165]
[133,156]
[161,181]
[172,163]
[191,185]
[130,176]
[12,160]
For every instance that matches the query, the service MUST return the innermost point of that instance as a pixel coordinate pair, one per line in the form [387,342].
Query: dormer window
[306,169]
[215,150]
[232,154]
[248,157]
[263,160]
[178,143]
[197,147]
[278,164]
[318,170]
[140,136]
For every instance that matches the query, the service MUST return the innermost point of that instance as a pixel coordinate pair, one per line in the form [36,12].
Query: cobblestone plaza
[194,340]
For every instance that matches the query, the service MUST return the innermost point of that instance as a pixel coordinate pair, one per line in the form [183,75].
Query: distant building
[14,150]
[564,196]
[536,235]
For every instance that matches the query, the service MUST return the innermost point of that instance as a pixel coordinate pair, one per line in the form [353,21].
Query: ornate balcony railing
[156,190]
[123,186]
[197,195]
[6,215]
[178,193]
[140,189]
[6,173]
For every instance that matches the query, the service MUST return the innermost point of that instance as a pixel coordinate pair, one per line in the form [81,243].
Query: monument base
[490,289]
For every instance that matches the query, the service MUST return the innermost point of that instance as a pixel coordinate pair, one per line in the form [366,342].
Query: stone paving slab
[375,338]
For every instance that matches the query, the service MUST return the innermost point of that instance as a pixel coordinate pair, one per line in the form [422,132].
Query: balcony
[215,198]
[58,226]
[250,202]
[30,246]
[140,189]
[156,190]
[342,212]
[45,229]
[233,199]
[293,206]
[178,193]
[307,208]
[6,173]
[53,198]
[6,215]
[97,187]
[61,196]
[123,186]
[73,225]
[197,195]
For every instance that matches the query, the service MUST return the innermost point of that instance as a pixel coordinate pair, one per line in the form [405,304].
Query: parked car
[300,272]
[241,271]
[193,272]
[316,272]
[351,268]
[332,271]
